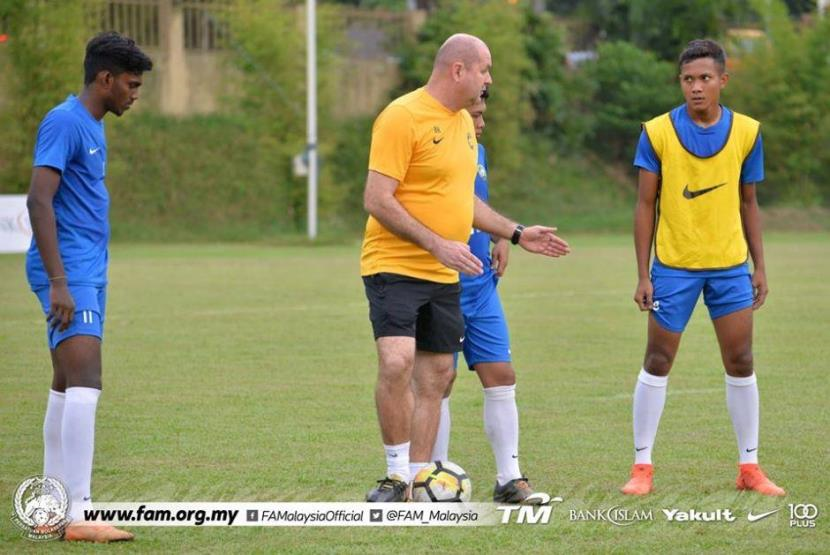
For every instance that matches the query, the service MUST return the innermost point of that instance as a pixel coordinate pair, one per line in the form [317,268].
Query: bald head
[460,47]
[461,71]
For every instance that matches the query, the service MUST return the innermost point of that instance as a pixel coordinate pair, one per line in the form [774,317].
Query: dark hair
[115,53]
[702,48]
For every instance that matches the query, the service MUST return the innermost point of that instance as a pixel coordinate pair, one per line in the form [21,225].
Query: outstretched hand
[542,240]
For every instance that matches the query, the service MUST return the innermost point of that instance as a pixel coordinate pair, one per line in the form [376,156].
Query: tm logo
[530,514]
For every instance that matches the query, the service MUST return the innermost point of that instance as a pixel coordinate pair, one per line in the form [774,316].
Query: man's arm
[42,189]
[751,217]
[644,214]
[537,239]
[379,200]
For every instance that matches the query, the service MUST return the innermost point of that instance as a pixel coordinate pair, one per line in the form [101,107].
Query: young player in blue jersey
[699,166]
[487,349]
[67,262]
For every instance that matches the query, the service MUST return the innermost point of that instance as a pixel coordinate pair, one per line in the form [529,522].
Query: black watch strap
[517,234]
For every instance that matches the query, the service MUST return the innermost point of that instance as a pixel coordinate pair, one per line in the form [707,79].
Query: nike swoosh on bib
[693,194]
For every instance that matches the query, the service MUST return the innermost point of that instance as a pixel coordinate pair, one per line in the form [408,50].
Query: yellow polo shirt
[432,152]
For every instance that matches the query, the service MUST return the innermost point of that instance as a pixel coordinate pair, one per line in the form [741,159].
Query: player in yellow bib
[699,166]
[419,194]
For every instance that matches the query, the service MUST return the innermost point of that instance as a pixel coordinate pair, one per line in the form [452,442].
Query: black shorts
[402,306]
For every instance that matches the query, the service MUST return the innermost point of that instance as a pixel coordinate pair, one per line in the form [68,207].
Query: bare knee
[739,364]
[395,370]
[658,362]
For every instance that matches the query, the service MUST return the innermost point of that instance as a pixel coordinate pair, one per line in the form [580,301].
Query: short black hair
[116,53]
[702,48]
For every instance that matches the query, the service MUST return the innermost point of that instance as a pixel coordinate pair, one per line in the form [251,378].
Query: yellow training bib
[699,224]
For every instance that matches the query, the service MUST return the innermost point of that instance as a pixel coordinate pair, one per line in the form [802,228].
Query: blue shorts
[675,296]
[485,329]
[90,309]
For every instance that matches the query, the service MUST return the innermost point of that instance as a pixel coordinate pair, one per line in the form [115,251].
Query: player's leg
[440,336]
[431,376]
[674,301]
[52,448]
[441,447]
[79,360]
[393,311]
[730,305]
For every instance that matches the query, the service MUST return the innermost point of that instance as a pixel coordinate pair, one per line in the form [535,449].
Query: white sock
[78,441]
[649,399]
[52,450]
[501,423]
[397,460]
[742,401]
[415,467]
[442,440]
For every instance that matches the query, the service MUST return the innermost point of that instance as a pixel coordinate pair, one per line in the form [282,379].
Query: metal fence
[145,20]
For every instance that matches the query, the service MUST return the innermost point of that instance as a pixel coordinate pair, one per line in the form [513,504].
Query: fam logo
[538,513]
[40,507]
[692,515]
[615,515]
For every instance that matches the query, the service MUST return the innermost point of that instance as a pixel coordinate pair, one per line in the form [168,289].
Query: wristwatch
[517,234]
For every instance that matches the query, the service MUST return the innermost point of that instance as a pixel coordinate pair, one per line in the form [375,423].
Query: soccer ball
[441,482]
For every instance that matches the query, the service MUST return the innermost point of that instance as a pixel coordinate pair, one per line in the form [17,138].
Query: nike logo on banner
[638,449]
[94,150]
[436,140]
[693,194]
[752,518]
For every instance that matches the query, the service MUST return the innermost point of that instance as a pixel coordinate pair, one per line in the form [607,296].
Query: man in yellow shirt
[419,194]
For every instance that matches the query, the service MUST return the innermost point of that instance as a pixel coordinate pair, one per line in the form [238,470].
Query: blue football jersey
[71,141]
[480,240]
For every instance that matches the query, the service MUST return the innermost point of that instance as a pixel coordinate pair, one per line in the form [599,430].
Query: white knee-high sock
[440,450]
[742,401]
[501,423]
[78,441]
[649,399]
[397,460]
[52,450]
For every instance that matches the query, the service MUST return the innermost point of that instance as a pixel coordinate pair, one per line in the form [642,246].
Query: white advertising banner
[15,229]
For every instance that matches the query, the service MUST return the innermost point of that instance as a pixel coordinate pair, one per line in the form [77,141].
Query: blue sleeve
[646,158]
[484,158]
[752,170]
[57,140]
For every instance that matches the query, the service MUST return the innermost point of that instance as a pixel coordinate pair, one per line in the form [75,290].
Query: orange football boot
[94,532]
[751,477]
[641,482]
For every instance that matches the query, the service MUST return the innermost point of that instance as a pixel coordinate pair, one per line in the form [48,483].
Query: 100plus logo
[803,515]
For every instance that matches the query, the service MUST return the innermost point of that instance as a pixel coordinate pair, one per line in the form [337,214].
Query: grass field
[241,372]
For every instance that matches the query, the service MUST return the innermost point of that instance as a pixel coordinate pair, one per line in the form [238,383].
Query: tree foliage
[40,65]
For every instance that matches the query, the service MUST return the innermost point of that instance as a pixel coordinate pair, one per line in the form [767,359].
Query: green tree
[41,63]
[784,80]
[631,86]
[269,50]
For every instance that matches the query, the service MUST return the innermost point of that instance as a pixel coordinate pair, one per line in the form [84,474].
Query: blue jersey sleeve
[57,140]
[752,170]
[645,157]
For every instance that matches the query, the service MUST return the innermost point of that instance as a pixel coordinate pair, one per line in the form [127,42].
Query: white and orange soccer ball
[442,482]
